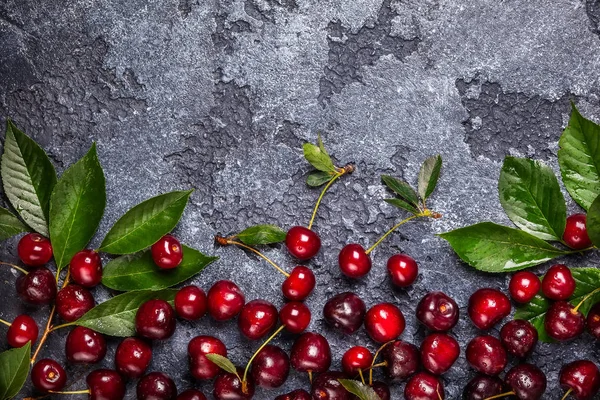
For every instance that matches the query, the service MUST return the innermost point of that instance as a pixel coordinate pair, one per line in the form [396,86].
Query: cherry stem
[5,322]
[310,376]
[228,241]
[362,378]
[375,359]
[585,299]
[348,169]
[262,346]
[500,395]
[86,391]
[15,267]
[425,213]
[567,394]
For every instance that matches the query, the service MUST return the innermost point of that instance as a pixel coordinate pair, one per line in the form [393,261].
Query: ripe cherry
[167,253]
[402,359]
[22,330]
[86,268]
[345,311]
[563,321]
[73,301]
[48,375]
[482,387]
[270,367]
[439,351]
[191,303]
[302,243]
[581,378]
[257,318]
[155,319]
[523,286]
[355,360]
[593,321]
[403,270]
[328,387]
[384,322]
[299,284]
[382,390]
[37,287]
[576,236]
[424,386]
[225,300]
[311,353]
[437,311]
[228,386]
[133,357]
[85,346]
[295,316]
[200,366]
[298,394]
[558,283]
[487,307]
[527,381]
[34,250]
[519,337]
[354,262]
[486,355]
[105,384]
[156,386]
[191,394]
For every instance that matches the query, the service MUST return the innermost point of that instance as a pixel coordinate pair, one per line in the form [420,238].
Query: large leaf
[76,207]
[145,223]
[14,368]
[531,197]
[496,248]
[579,159]
[139,272]
[593,222]
[359,389]
[401,188]
[261,234]
[10,225]
[317,156]
[429,175]
[28,177]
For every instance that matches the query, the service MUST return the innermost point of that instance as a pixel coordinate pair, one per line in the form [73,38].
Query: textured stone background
[220,95]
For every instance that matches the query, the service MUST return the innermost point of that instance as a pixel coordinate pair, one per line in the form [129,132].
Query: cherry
[519,337]
[270,367]
[424,386]
[563,321]
[155,319]
[402,359]
[345,311]
[311,353]
[225,300]
[295,316]
[302,243]
[403,270]
[437,311]
[382,390]
[156,386]
[37,287]
[85,346]
[328,387]
[191,303]
[482,387]
[22,330]
[167,252]
[228,386]
[298,394]
[384,322]
[581,378]
[200,366]
[354,261]
[299,284]
[86,268]
[191,394]
[257,318]
[355,360]
[48,375]
[486,355]
[593,321]
[558,283]
[133,357]
[34,250]
[576,236]
[438,352]
[73,301]
[105,384]
[527,381]
[523,286]
[487,307]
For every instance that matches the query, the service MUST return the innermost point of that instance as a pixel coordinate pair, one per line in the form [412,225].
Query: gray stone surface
[220,95]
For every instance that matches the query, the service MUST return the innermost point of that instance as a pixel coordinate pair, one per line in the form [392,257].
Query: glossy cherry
[403,270]
[167,253]
[37,287]
[402,359]
[527,381]
[200,366]
[302,243]
[384,322]
[328,387]
[86,268]
[486,355]
[156,386]
[593,321]
[48,375]
[85,346]
[355,359]
[299,284]
[345,311]
[437,311]
[133,357]
[581,378]
[439,351]
[271,367]
[487,307]
[519,337]
[424,386]
[482,386]
[228,386]
[105,384]
[257,318]
[191,394]
[298,394]
[73,301]
[382,390]
[191,303]
[225,300]
[34,250]
[155,319]
[354,262]
[311,353]
[576,236]
[295,316]
[23,329]
[523,286]
[563,322]
[558,283]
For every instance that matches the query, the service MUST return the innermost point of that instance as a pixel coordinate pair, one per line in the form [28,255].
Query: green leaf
[535,312]
[76,207]
[261,234]
[139,272]
[579,158]
[318,157]
[359,389]
[593,222]
[14,370]
[402,205]
[429,175]
[10,225]
[145,223]
[402,188]
[116,316]
[496,248]
[531,197]
[28,177]
[318,178]
[222,362]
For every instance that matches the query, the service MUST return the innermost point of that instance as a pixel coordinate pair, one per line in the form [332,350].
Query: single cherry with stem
[200,366]
[311,353]
[167,253]
[482,387]
[575,235]
[133,357]
[437,311]
[558,283]
[523,286]
[103,384]
[34,250]
[345,311]
[401,360]
[565,322]
[37,286]
[527,382]
[356,360]
[229,386]
[581,379]
[22,330]
[191,303]
[424,386]
[270,367]
[86,268]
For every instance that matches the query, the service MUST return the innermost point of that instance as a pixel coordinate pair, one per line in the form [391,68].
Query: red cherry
[354,261]
[582,378]
[86,268]
[271,367]
[593,321]
[73,301]
[133,357]
[523,287]
[356,358]
[85,346]
[311,353]
[191,394]
[257,318]
[298,394]
[228,386]
[105,384]
[403,270]
[328,386]
[424,386]
[167,253]
[200,366]
[22,330]
[384,322]
[519,337]
[487,307]
[558,283]
[402,359]
[37,287]
[527,381]
[34,250]
[302,243]
[48,375]
[299,284]
[345,311]
[437,311]
[576,236]
[191,303]
[225,300]
[482,387]
[563,322]
[155,319]
[382,390]
[439,351]
[295,316]
[486,355]
[156,386]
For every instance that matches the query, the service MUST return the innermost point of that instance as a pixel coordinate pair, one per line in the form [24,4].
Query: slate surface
[220,95]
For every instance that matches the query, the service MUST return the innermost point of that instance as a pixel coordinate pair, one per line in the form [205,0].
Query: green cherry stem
[585,299]
[262,346]
[348,169]
[15,267]
[5,322]
[567,394]
[228,241]
[85,391]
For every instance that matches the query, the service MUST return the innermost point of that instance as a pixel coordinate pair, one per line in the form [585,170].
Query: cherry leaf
[10,225]
[359,389]
[401,188]
[222,362]
[14,369]
[429,175]
[318,178]
[261,234]
[402,205]
[318,157]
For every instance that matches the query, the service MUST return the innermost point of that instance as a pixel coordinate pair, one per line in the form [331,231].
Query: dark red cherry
[384,322]
[382,390]
[354,262]
[257,318]
[424,386]
[439,351]
[200,366]
[34,250]
[156,386]
[133,357]
[295,316]
[22,330]
[85,346]
[167,253]
[155,319]
[576,235]
[302,243]
[519,337]
[86,268]
[527,381]
[563,322]
[345,311]
[523,286]
[487,307]
[37,287]
[582,378]
[328,387]
[298,394]
[486,355]
[228,386]
[356,358]
[225,300]
[271,367]
[105,384]
[48,375]
[593,321]
[311,353]
[402,359]
[73,301]
[403,270]
[299,284]
[191,394]
[437,311]
[191,303]
[482,386]
[558,283]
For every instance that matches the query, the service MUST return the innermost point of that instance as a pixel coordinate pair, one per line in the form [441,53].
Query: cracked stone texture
[221,95]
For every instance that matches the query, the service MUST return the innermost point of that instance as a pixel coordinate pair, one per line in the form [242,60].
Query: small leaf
[318,158]
[10,225]
[429,175]
[359,389]
[145,223]
[535,312]
[402,188]
[402,205]
[261,234]
[139,272]
[496,248]
[14,369]
[593,222]
[222,362]
[76,207]
[28,177]
[318,178]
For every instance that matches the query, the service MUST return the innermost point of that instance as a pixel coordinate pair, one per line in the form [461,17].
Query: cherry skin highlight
[155,320]
[34,250]
[486,355]
[354,262]
[576,236]
[402,359]
[73,301]
[295,316]
[437,311]
[582,378]
[523,286]
[191,394]
[271,367]
[133,357]
[200,366]
[402,269]
[22,330]
[424,386]
[257,318]
[105,384]
[562,322]
[311,353]
[85,346]
[439,351]
[356,358]
[48,375]
[37,287]
[345,311]
[527,381]
[228,386]
[593,321]
[156,386]
[191,303]
[86,268]
[558,283]
[299,285]
[384,322]
[519,337]
[167,253]
[302,243]
[225,300]
[487,307]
